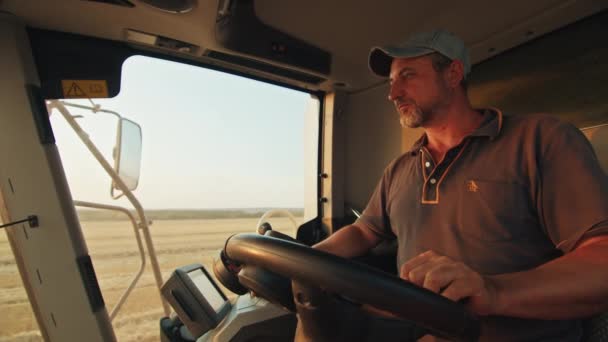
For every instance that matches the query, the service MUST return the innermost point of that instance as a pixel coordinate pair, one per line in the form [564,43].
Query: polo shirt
[516,193]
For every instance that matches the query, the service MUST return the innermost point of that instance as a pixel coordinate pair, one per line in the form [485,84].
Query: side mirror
[127,155]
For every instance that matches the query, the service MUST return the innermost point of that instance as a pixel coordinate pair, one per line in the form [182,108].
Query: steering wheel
[356,281]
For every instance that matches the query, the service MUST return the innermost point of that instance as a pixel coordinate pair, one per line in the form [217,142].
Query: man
[508,213]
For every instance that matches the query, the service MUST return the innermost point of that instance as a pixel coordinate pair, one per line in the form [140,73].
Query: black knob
[264,227]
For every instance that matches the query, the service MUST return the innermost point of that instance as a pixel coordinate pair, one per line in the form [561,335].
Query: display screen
[204,285]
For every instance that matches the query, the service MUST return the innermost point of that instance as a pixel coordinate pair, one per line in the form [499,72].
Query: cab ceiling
[347,29]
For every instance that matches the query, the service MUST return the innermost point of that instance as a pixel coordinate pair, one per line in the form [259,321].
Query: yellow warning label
[84,88]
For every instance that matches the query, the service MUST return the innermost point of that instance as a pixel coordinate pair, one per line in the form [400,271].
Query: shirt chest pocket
[494,210]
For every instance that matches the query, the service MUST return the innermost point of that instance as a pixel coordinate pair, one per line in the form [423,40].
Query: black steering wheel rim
[356,281]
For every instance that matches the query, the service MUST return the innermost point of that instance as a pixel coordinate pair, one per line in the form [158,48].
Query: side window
[218,152]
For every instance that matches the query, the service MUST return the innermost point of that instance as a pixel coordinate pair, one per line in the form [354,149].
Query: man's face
[417,90]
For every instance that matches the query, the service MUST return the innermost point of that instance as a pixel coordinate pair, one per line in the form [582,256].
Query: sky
[210,139]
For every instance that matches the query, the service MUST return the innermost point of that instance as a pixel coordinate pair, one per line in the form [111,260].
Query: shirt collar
[418,144]
[490,127]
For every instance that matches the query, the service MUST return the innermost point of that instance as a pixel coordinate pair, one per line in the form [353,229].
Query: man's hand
[452,279]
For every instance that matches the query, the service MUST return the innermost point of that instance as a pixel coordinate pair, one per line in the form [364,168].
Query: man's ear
[454,73]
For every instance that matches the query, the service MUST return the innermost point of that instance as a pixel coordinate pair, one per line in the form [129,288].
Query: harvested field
[116,258]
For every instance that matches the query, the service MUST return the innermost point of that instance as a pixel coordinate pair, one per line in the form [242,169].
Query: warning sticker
[84,88]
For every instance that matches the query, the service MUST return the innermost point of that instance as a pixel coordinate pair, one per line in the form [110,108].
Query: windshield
[218,151]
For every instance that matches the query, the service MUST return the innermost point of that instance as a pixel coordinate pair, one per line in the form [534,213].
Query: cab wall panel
[373,138]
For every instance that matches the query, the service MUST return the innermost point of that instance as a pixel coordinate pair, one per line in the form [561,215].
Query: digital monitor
[196,298]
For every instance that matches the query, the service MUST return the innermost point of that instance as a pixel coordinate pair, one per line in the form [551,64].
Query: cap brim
[380,58]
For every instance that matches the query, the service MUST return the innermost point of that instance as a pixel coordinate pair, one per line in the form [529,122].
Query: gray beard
[413,119]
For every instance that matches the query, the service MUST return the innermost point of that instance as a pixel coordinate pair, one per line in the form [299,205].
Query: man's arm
[350,241]
[572,286]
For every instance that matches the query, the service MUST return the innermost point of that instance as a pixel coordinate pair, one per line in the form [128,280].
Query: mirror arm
[95,109]
[60,106]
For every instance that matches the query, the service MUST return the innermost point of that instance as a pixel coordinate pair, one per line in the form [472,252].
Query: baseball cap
[420,44]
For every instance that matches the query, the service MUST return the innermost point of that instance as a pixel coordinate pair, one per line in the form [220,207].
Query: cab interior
[542,56]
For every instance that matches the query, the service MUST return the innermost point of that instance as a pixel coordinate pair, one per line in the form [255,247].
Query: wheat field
[116,259]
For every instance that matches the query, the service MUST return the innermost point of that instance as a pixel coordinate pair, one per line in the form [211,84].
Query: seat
[595,329]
